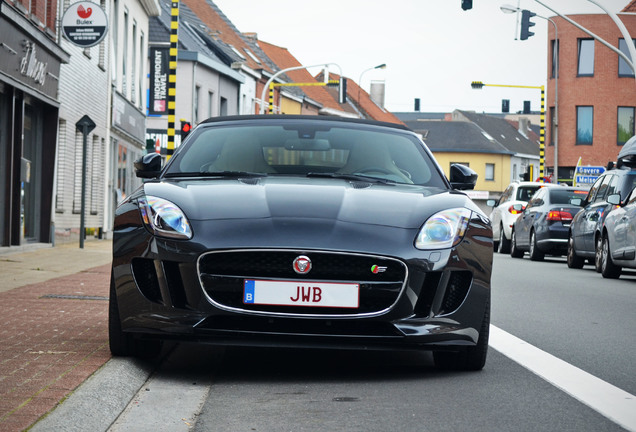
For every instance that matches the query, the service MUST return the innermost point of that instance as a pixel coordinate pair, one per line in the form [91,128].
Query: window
[124,77]
[210,103]
[584,125]
[623,68]
[195,103]
[490,172]
[625,124]
[552,125]
[586,57]
[554,46]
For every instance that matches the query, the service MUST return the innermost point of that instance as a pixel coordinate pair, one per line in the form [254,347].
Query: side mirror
[614,199]
[148,166]
[576,201]
[491,203]
[462,177]
[518,207]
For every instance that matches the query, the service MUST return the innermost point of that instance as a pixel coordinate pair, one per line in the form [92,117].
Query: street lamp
[512,9]
[261,107]
[381,66]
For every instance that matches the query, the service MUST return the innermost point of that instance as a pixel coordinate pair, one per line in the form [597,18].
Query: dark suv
[585,238]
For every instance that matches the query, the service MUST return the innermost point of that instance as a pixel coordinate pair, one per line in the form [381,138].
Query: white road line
[610,401]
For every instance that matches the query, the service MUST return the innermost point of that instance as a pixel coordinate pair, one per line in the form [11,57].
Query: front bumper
[439,303]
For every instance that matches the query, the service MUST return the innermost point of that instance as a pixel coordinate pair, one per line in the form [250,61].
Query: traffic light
[186,127]
[467,4]
[342,90]
[526,107]
[150,145]
[526,24]
[477,84]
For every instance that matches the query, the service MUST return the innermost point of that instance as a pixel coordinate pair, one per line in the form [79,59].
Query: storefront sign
[84,24]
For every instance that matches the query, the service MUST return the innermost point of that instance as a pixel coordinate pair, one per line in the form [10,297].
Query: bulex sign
[84,24]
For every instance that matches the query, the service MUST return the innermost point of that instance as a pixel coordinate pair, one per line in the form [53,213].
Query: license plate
[301,293]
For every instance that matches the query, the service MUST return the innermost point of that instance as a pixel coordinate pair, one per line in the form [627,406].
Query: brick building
[596,92]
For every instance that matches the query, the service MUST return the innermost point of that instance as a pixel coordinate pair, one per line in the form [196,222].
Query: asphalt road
[574,362]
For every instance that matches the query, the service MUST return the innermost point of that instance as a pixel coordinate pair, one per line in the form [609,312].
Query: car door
[622,235]
[526,219]
[495,215]
[593,213]
[580,222]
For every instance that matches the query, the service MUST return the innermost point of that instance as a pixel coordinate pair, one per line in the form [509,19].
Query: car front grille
[222,276]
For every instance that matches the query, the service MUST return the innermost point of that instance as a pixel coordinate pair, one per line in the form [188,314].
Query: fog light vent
[456,290]
[146,278]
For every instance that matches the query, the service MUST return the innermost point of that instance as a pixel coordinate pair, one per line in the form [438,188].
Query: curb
[98,402]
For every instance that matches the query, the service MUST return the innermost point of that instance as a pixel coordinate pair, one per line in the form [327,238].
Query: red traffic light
[186,127]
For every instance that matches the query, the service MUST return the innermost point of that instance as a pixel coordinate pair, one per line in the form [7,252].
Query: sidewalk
[53,326]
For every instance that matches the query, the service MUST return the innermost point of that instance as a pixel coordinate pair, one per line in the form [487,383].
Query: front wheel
[574,261]
[504,243]
[515,252]
[471,359]
[123,344]
[535,253]
[609,270]
[598,254]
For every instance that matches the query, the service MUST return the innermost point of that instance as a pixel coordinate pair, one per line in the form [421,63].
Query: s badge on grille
[302,264]
[377,269]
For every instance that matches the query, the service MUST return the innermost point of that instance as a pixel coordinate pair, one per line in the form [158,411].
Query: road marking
[610,401]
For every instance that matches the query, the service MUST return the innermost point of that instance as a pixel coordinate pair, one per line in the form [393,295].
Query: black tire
[470,359]
[535,253]
[598,252]
[574,261]
[515,252]
[609,270]
[123,344]
[504,243]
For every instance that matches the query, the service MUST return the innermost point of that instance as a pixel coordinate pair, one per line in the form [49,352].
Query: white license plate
[301,293]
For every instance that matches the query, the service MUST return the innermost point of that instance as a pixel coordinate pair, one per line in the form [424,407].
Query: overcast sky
[432,48]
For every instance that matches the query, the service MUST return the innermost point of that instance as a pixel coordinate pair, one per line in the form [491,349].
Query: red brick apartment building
[596,91]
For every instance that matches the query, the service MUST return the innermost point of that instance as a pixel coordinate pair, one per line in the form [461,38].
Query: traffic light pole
[479,85]
[172,75]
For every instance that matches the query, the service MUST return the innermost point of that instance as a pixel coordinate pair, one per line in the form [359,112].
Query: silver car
[618,247]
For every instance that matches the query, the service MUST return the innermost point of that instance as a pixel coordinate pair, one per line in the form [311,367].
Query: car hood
[401,206]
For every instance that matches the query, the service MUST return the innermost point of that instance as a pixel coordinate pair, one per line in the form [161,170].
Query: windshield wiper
[353,177]
[237,174]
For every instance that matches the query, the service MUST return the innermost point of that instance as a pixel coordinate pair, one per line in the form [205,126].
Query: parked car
[299,231]
[504,212]
[585,237]
[618,241]
[542,228]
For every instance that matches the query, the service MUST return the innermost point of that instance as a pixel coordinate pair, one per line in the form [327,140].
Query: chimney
[251,36]
[524,126]
[377,92]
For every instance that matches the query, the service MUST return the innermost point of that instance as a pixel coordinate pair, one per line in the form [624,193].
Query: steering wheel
[374,169]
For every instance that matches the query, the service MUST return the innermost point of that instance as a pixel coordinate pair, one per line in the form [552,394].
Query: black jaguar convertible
[302,231]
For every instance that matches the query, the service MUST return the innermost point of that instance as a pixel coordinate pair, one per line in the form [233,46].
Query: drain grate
[73,297]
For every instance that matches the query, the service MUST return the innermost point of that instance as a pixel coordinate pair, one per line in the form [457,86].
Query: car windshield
[564,196]
[524,193]
[308,149]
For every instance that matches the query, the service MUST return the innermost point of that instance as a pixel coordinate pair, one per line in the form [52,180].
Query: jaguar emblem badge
[302,264]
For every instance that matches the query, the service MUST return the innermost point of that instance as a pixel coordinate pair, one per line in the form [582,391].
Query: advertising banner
[158,100]
[84,24]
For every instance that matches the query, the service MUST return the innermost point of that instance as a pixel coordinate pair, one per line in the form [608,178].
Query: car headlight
[164,218]
[444,229]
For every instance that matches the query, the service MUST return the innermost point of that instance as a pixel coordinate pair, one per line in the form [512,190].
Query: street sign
[84,24]
[587,175]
